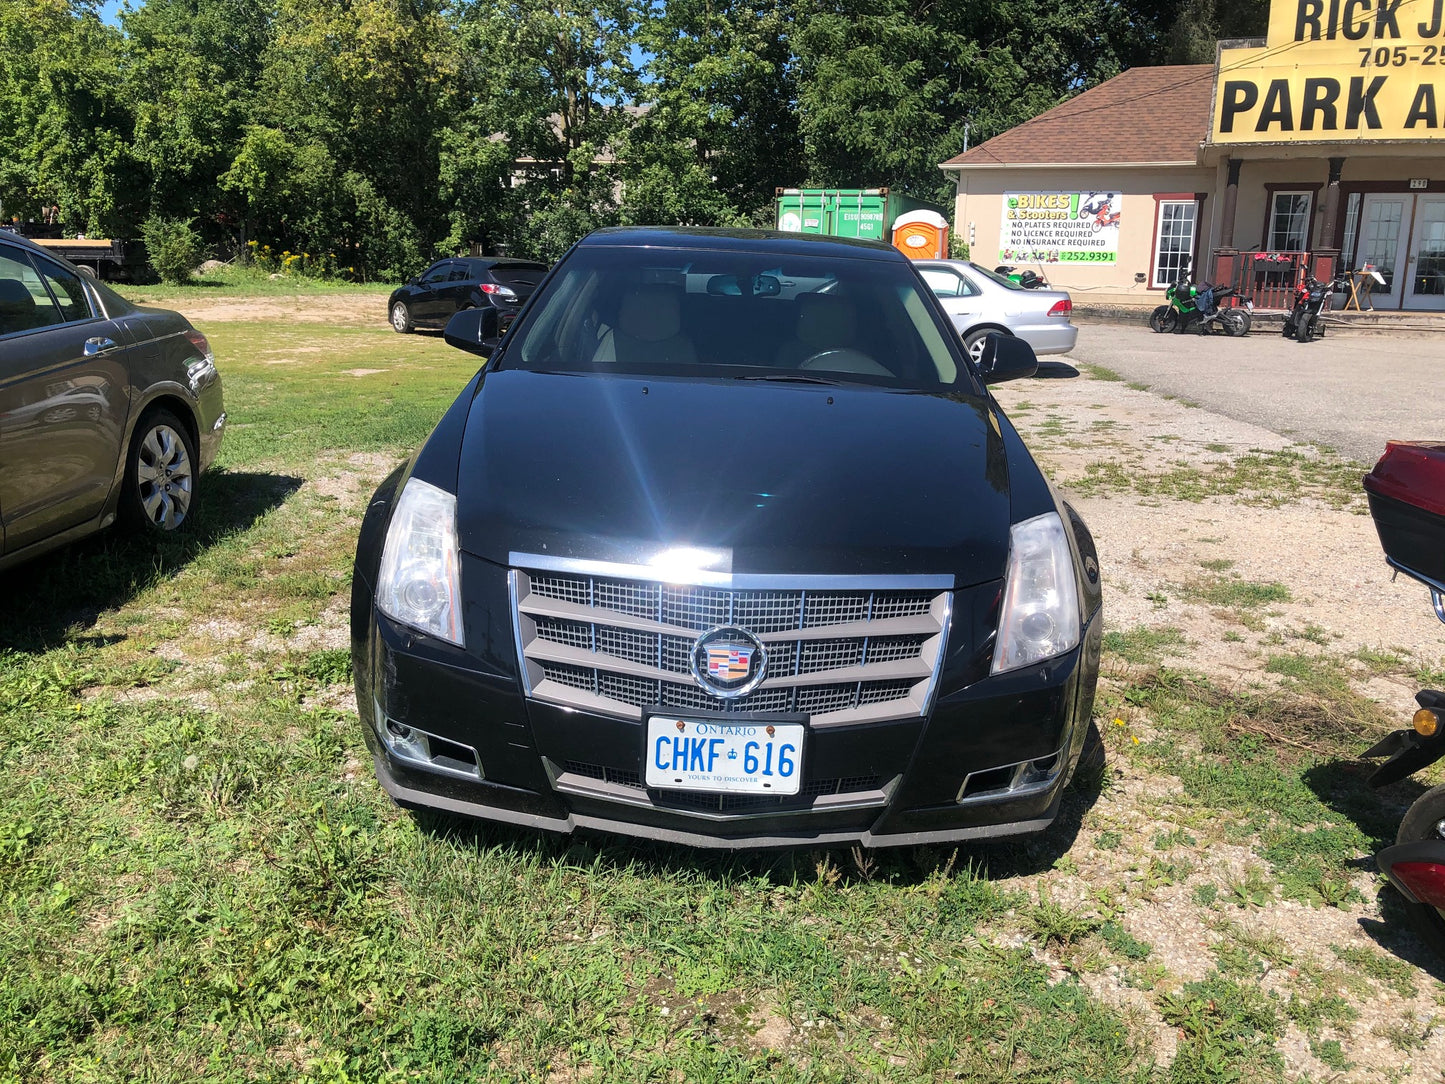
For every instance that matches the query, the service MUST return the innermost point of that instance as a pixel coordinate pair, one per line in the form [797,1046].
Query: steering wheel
[844,360]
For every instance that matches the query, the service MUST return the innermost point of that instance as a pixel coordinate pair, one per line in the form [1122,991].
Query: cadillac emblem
[729,662]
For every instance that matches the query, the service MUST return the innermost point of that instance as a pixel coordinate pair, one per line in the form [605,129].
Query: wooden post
[1231,197]
[1329,227]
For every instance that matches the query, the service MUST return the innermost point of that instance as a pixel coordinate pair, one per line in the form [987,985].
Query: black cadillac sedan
[729,545]
[448,286]
[108,411]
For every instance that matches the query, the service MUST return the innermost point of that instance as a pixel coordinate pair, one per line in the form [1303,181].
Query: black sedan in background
[728,544]
[107,410]
[448,286]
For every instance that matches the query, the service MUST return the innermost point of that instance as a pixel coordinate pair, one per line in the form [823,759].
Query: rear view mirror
[477,331]
[767,286]
[1006,358]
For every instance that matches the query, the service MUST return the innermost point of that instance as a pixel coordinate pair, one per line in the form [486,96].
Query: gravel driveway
[1350,393]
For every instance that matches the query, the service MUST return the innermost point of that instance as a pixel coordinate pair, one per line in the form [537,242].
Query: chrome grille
[620,644]
[690,696]
[819,655]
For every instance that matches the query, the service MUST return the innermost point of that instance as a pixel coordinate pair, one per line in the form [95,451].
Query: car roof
[499,261]
[703,237]
[24,242]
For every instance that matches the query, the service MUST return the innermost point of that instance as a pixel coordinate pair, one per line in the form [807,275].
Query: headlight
[1039,617]
[420,581]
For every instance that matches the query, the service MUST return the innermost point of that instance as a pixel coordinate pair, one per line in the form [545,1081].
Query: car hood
[772,477]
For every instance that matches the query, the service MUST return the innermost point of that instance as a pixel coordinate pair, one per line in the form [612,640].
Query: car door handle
[99,345]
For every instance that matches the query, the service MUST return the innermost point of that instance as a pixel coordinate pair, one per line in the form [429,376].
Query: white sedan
[979,301]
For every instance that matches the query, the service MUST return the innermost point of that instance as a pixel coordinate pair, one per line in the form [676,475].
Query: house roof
[1142,115]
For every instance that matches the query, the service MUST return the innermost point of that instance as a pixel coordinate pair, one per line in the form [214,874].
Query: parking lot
[1348,392]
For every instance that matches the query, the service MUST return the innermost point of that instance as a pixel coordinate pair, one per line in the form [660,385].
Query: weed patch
[1143,645]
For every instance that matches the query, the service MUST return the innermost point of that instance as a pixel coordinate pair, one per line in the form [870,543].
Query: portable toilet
[921,235]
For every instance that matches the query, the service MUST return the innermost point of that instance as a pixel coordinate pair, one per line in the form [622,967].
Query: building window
[1289,221]
[1174,247]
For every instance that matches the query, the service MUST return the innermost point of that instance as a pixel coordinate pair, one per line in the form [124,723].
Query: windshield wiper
[787,378]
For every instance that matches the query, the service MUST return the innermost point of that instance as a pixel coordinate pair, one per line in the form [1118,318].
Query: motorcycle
[1105,217]
[1406,491]
[1306,320]
[1027,279]
[1182,311]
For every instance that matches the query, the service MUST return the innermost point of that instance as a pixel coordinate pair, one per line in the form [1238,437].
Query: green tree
[1196,25]
[720,131]
[172,247]
[886,86]
[66,129]
[557,82]
[359,88]
[192,74]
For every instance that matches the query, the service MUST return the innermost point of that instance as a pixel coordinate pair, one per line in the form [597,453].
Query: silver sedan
[979,301]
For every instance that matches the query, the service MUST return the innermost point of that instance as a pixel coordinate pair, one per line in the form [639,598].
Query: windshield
[1002,280]
[746,315]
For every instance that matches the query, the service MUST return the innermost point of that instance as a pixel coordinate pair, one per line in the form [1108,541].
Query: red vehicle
[1407,501]
[1107,216]
[1306,320]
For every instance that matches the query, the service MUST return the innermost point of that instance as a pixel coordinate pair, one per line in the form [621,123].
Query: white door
[960,298]
[1425,280]
[1383,236]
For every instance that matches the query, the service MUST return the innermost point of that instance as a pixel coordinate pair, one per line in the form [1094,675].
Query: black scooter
[1306,319]
[1407,501]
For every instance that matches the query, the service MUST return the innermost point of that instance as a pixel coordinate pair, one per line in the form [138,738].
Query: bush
[173,247]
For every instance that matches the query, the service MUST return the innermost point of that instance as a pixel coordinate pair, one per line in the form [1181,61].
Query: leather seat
[649,330]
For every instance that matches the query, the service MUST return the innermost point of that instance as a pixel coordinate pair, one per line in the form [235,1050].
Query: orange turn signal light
[1426,723]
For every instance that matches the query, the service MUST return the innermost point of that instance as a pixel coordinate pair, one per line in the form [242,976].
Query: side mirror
[477,331]
[1006,358]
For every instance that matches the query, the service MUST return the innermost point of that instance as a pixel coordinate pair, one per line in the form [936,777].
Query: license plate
[701,754]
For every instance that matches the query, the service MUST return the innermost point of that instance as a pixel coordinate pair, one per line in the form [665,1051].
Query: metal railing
[1269,279]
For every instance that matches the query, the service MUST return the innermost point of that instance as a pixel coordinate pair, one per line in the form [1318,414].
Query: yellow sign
[1334,71]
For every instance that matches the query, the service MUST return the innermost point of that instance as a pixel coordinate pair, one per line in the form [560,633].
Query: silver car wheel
[974,345]
[400,317]
[164,478]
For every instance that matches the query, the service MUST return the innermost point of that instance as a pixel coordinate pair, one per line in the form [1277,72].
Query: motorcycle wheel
[1234,322]
[1163,319]
[1425,820]
[1303,329]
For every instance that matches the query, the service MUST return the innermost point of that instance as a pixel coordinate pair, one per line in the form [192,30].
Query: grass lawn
[201,880]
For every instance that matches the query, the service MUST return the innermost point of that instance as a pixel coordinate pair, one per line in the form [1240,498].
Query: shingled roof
[1142,115]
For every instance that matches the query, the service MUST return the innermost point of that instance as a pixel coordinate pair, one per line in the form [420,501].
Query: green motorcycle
[1027,279]
[1182,311]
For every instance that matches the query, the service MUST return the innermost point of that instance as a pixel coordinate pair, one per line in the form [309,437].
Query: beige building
[1318,150]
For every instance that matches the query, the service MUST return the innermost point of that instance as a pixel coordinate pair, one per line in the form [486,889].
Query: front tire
[1163,319]
[1234,322]
[159,491]
[1423,822]
[1304,328]
[401,321]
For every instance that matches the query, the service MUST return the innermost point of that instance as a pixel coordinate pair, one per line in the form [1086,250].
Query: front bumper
[991,759]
